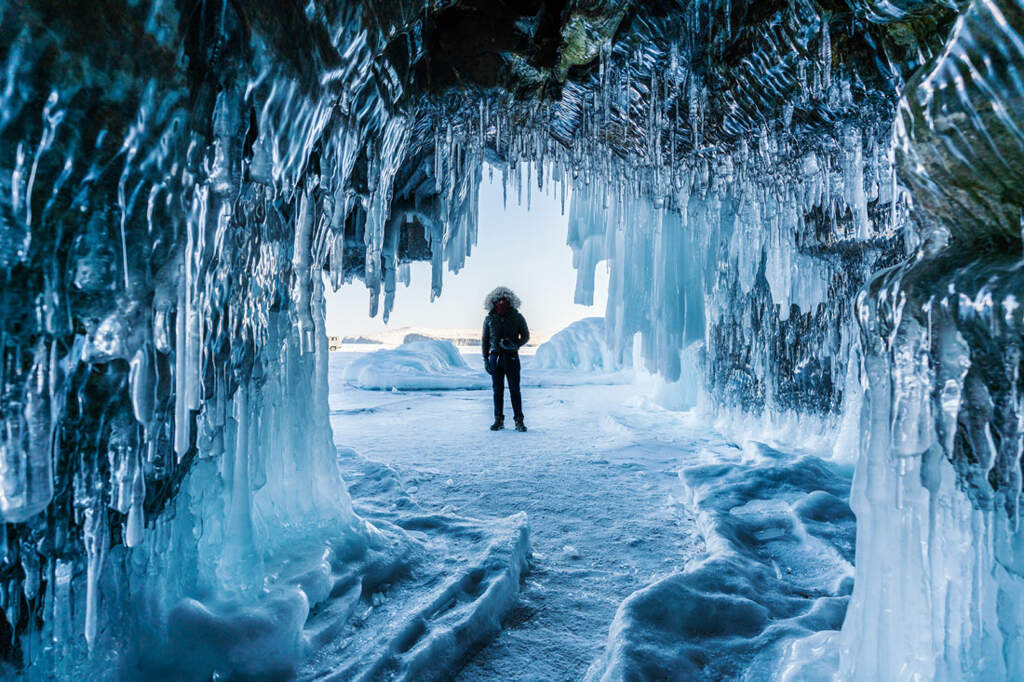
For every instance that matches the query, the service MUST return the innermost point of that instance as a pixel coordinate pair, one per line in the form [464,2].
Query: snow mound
[775,580]
[582,346]
[417,366]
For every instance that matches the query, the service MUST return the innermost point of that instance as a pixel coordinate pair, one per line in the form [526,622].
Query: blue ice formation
[826,195]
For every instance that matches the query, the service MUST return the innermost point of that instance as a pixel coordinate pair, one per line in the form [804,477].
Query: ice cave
[788,448]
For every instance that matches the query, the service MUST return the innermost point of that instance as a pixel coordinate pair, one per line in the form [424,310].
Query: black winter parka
[510,326]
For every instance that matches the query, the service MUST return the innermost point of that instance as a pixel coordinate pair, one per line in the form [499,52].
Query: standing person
[505,331]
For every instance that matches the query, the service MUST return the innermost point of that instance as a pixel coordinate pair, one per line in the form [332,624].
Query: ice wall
[177,181]
[741,269]
[939,466]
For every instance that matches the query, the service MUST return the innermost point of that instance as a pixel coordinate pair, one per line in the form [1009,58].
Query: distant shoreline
[461,338]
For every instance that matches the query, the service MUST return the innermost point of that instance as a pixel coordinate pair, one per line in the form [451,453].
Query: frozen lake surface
[619,494]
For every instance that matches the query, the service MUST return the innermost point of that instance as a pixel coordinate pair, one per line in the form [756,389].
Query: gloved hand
[487,366]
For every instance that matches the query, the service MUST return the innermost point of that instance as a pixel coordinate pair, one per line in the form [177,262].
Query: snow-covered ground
[660,549]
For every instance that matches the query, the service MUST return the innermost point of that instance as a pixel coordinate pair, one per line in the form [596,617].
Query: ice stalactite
[739,235]
[758,218]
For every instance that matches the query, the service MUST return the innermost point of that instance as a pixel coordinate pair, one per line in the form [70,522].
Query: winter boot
[499,424]
[520,426]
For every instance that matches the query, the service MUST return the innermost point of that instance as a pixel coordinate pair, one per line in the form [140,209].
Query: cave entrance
[520,244]
[411,406]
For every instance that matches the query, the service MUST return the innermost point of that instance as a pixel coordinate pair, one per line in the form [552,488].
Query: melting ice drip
[169,224]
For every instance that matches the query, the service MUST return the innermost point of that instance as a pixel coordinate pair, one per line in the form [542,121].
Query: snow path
[597,476]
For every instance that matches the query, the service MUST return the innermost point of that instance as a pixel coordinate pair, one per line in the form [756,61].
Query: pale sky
[518,248]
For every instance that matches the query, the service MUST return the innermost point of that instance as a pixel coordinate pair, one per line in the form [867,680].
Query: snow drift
[437,365]
[417,366]
[581,345]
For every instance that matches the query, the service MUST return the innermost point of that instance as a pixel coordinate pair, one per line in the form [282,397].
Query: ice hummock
[435,586]
[439,365]
[777,566]
[415,366]
[385,596]
[580,346]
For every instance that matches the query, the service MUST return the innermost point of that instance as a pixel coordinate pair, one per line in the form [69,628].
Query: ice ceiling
[825,195]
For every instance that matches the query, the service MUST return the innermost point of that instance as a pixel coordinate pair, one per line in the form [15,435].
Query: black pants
[506,366]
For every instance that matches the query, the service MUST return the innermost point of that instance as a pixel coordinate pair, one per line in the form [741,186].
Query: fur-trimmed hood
[498,292]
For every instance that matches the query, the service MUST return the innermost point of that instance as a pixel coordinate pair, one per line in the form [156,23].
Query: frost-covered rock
[582,346]
[420,365]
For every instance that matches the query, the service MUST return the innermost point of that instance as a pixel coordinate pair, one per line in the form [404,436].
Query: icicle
[825,55]
[302,268]
[482,129]
[237,566]
[63,617]
[96,542]
[182,418]
[136,512]
[26,446]
[529,184]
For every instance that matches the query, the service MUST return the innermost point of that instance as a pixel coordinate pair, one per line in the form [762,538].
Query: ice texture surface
[939,456]
[778,541]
